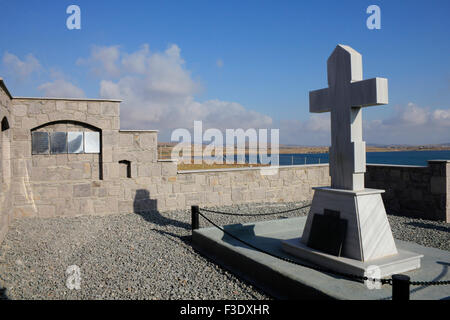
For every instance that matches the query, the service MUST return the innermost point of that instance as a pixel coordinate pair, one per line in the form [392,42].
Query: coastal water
[415,158]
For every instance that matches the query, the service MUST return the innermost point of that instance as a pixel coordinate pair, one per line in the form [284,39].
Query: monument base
[403,261]
[368,234]
[368,246]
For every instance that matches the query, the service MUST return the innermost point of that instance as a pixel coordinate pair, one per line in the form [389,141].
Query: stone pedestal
[368,239]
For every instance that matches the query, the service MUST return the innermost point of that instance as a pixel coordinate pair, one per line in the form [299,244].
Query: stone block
[24,211]
[438,185]
[19,110]
[125,140]
[236,195]
[93,108]
[21,134]
[168,169]
[46,211]
[110,108]
[82,190]
[148,140]
[144,170]
[34,108]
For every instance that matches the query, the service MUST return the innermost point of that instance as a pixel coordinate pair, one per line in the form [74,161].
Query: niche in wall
[125,169]
[5,124]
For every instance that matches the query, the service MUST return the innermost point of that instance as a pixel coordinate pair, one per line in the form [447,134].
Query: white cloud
[441,117]
[61,88]
[159,92]
[313,131]
[20,69]
[103,61]
[410,124]
[411,114]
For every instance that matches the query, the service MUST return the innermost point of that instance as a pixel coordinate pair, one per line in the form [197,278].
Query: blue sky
[233,63]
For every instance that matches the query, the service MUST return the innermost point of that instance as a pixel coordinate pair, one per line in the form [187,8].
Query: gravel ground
[142,256]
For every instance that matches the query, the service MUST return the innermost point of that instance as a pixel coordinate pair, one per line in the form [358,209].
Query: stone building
[66,157]
[38,179]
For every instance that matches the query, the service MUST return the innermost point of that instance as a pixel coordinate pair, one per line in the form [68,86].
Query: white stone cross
[346,95]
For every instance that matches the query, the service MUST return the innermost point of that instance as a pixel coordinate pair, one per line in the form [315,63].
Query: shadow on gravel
[3,295]
[147,209]
[429,226]
[170,235]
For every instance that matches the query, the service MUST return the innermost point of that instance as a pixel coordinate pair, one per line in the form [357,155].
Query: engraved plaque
[92,142]
[58,142]
[328,232]
[39,143]
[75,142]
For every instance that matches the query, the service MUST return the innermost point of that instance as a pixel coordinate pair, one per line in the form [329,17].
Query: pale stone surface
[368,234]
[402,262]
[346,95]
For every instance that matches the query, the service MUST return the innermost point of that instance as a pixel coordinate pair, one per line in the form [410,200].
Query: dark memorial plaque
[58,142]
[75,142]
[39,143]
[328,232]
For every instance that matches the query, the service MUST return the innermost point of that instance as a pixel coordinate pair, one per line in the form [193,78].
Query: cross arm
[369,92]
[319,101]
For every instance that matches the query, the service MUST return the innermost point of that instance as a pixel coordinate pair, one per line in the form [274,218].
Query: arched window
[5,124]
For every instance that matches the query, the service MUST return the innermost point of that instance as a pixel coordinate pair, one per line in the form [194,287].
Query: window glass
[39,143]
[58,142]
[92,142]
[75,142]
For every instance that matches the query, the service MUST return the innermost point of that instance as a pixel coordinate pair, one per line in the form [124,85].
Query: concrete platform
[285,280]
[402,262]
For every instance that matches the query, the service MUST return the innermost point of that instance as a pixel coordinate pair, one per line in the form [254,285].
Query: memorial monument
[347,228]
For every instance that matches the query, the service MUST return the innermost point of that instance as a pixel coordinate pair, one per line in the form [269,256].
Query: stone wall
[76,184]
[62,184]
[126,176]
[5,162]
[422,192]
[236,186]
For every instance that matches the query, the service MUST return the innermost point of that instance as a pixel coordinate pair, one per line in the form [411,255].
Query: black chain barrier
[349,276]
[430,283]
[342,274]
[255,214]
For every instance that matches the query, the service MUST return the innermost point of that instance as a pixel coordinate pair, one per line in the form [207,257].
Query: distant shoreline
[312,150]
[164,149]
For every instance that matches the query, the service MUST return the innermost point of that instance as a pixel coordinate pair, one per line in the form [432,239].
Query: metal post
[195,221]
[400,287]
[292,160]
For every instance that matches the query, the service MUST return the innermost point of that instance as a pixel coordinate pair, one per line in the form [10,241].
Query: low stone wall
[422,192]
[236,186]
